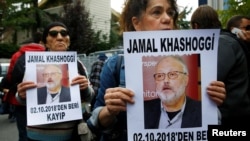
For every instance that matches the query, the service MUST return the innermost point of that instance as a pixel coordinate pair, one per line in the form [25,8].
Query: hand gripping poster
[54,99]
[169,72]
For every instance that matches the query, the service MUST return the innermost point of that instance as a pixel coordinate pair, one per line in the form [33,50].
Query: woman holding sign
[110,107]
[55,38]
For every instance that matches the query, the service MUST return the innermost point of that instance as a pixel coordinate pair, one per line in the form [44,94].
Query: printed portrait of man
[171,107]
[53,90]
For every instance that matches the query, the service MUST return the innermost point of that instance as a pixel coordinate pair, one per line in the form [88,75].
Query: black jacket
[233,71]
[42,95]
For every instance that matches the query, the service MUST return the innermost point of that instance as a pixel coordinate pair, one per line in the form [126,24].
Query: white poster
[54,99]
[153,73]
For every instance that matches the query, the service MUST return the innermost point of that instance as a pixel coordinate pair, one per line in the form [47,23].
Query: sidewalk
[8,130]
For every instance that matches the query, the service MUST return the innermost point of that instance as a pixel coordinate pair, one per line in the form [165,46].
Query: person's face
[59,41]
[244,23]
[171,88]
[158,16]
[52,77]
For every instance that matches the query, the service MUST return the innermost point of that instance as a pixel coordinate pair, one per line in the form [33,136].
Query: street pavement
[8,130]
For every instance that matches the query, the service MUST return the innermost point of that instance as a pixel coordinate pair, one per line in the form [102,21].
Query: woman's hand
[115,102]
[23,87]
[117,98]
[217,92]
[82,81]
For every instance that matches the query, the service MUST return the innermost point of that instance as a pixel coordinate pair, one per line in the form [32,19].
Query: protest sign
[143,51]
[54,99]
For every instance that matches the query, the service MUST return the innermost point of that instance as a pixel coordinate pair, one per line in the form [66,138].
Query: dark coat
[191,116]
[233,71]
[42,95]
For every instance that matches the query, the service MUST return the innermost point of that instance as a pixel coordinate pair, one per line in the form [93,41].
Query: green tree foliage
[6,50]
[182,22]
[16,14]
[84,39]
[54,3]
[79,24]
[116,38]
[234,7]
[22,15]
[105,43]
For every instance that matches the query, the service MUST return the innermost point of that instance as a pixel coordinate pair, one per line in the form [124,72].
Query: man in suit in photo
[173,108]
[53,91]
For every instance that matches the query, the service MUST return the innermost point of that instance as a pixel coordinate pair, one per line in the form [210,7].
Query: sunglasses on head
[54,33]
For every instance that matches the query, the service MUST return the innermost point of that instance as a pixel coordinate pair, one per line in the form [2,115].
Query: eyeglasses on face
[171,75]
[52,74]
[54,33]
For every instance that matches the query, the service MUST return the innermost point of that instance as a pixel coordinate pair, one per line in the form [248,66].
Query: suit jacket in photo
[191,116]
[42,95]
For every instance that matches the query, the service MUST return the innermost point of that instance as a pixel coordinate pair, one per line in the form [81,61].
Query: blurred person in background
[94,76]
[232,68]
